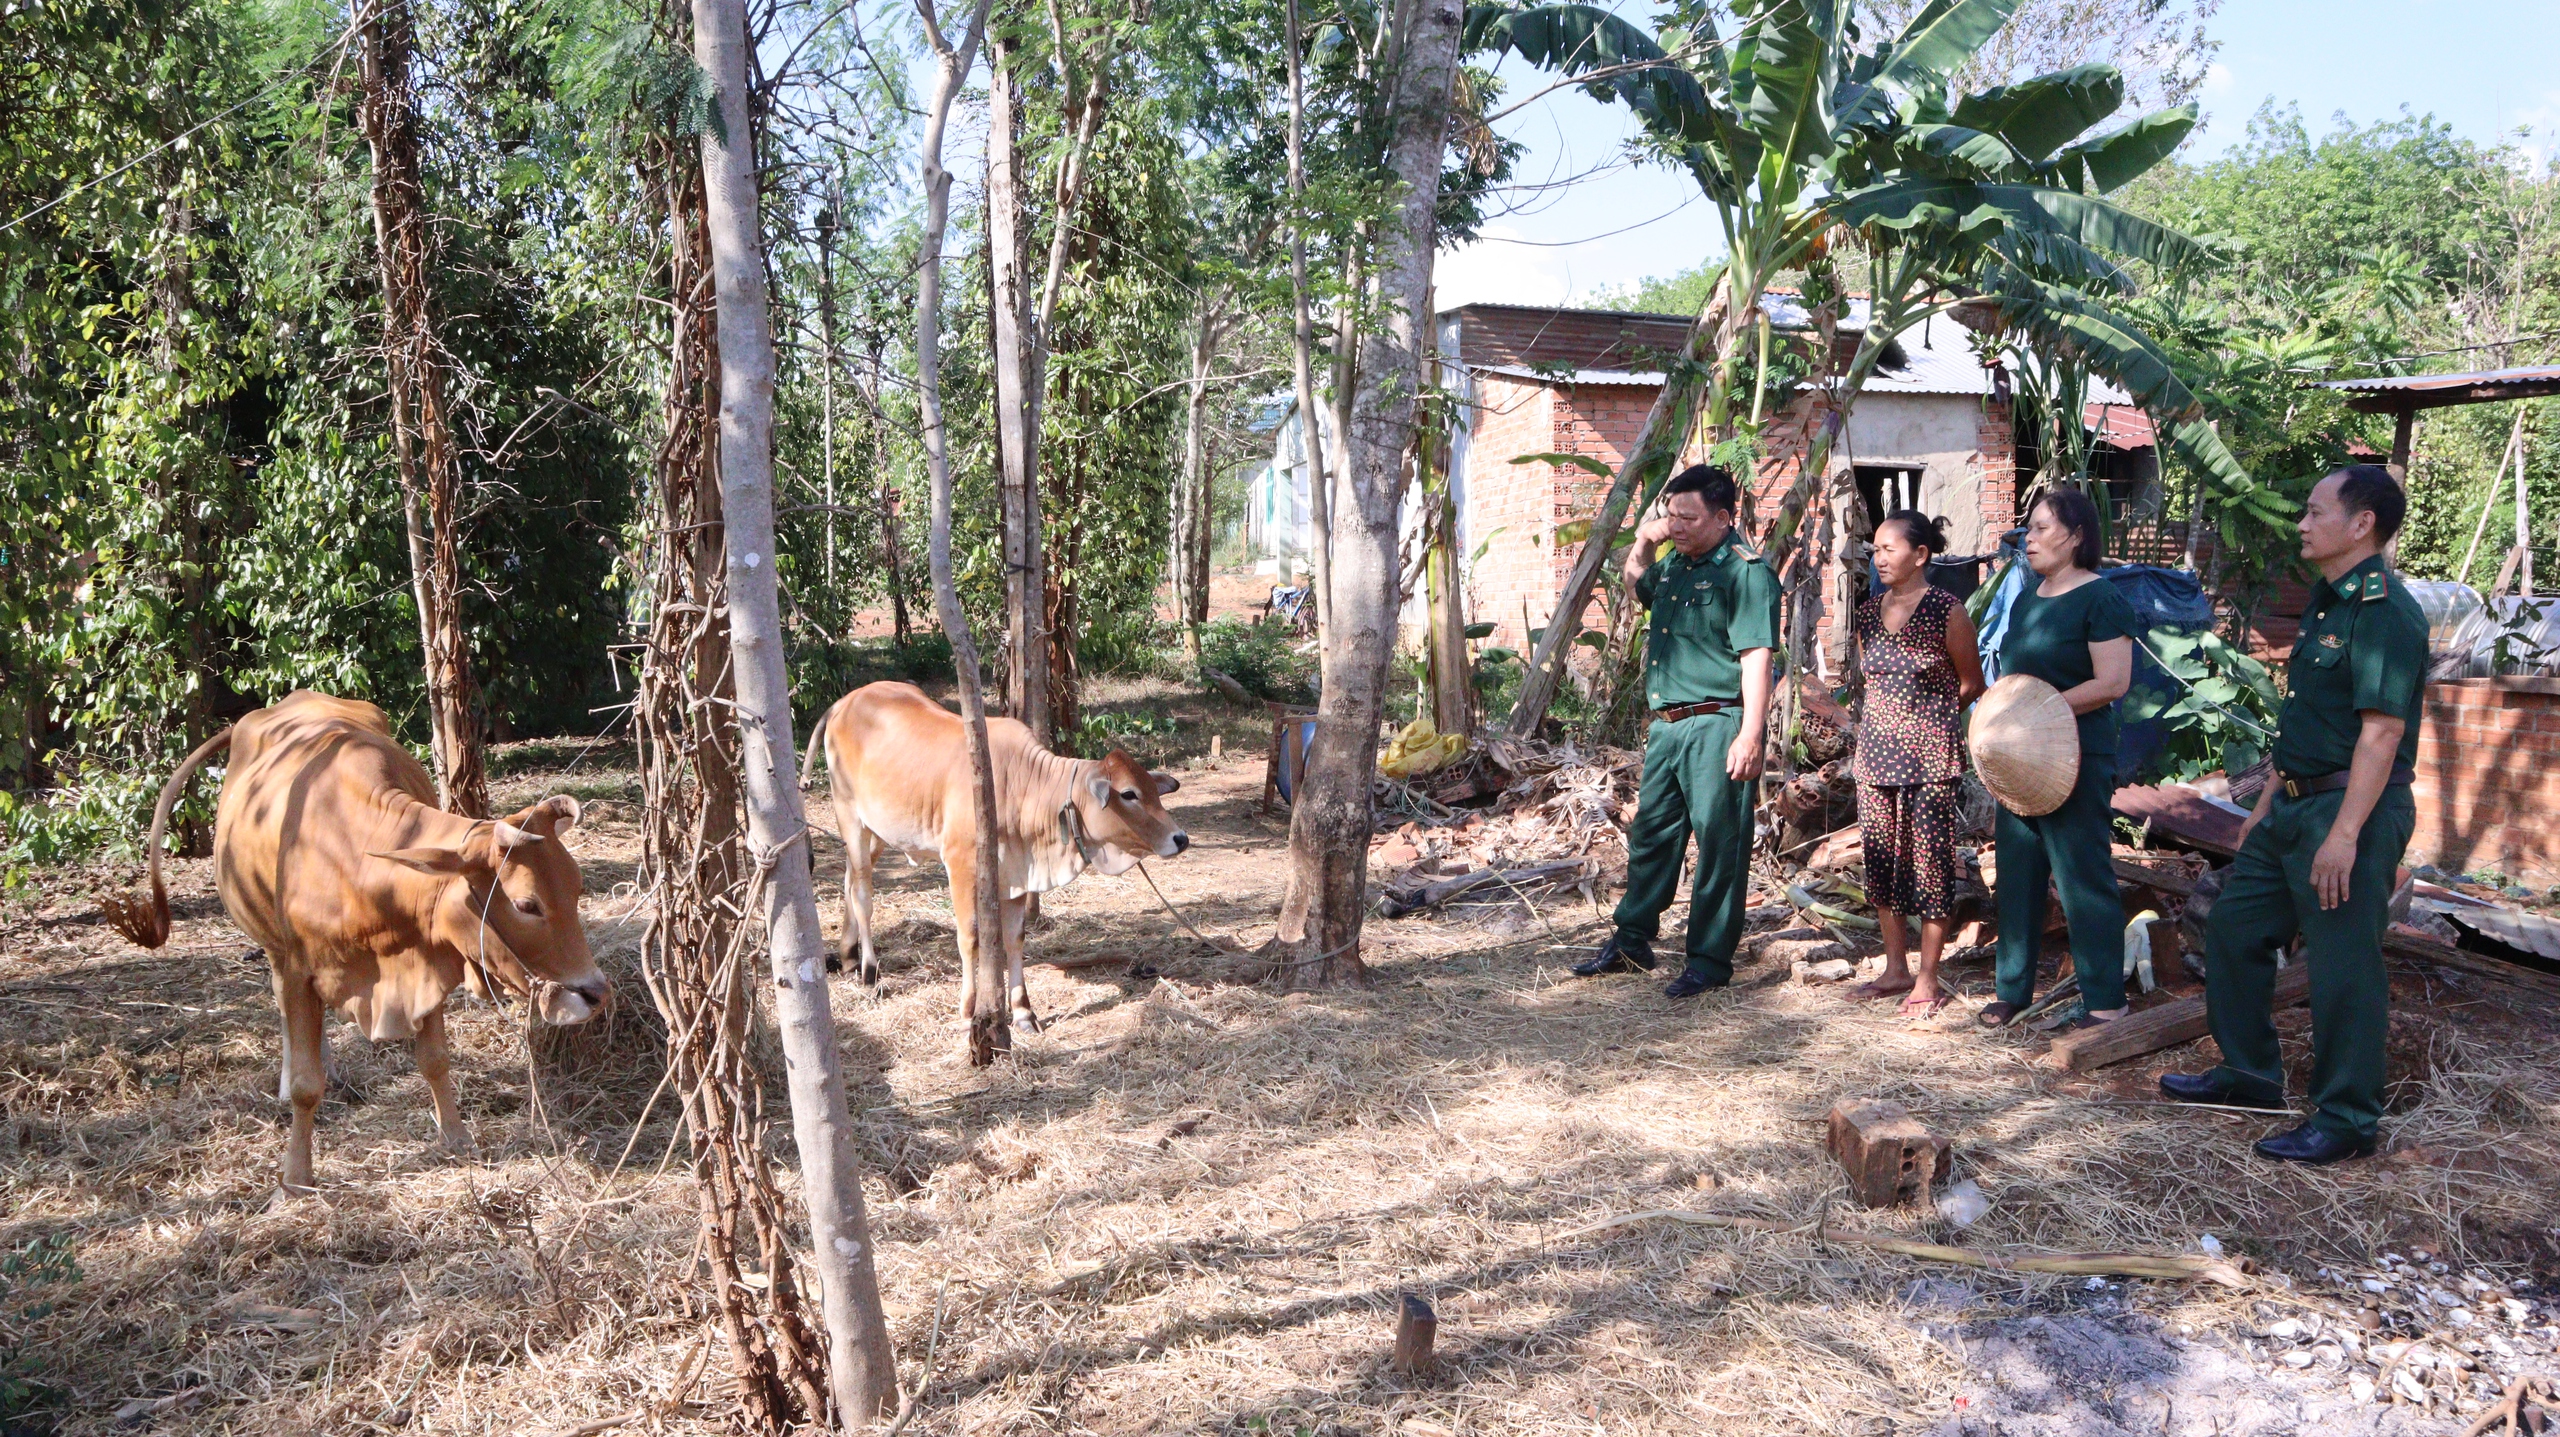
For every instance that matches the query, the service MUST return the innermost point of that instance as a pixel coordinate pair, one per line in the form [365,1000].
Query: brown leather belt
[1677,712]
[2331,782]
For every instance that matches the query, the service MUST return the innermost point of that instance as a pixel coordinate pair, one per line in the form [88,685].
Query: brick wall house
[1930,432]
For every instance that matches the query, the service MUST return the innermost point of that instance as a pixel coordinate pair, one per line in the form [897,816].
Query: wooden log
[2409,946]
[1889,1156]
[1397,905]
[2164,1026]
[2160,873]
[1416,1327]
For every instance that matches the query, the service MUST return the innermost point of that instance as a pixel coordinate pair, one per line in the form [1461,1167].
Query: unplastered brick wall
[2488,785]
[1515,509]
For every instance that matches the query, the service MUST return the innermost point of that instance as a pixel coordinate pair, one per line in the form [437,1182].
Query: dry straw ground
[1192,1205]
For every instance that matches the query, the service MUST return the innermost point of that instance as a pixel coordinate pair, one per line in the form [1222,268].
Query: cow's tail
[145,919]
[817,746]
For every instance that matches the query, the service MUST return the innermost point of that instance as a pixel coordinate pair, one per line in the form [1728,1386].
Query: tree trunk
[1453,708]
[1329,822]
[982,953]
[892,556]
[1190,547]
[860,1362]
[421,437]
[1303,337]
[1017,414]
[1649,460]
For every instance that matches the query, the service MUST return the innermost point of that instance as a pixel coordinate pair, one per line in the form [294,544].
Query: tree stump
[1890,1157]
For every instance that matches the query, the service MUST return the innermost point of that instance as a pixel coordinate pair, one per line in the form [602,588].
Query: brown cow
[331,854]
[900,763]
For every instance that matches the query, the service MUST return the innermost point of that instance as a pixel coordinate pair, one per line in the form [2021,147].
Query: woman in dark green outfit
[2075,632]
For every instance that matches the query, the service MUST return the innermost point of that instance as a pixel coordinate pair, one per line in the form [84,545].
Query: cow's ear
[549,818]
[511,838]
[1165,782]
[1100,786]
[443,862]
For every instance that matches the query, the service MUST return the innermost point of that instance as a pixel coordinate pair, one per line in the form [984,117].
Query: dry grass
[1186,1208]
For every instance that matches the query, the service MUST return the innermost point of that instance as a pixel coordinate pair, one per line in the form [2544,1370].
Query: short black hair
[2078,513]
[1713,486]
[1918,529]
[2370,489]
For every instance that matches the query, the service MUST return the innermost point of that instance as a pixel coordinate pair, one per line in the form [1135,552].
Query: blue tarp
[2166,599]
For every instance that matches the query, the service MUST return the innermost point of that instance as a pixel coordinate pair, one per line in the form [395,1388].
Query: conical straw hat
[2026,745]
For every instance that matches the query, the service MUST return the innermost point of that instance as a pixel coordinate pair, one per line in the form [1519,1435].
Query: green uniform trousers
[1685,790]
[2073,846]
[2266,899]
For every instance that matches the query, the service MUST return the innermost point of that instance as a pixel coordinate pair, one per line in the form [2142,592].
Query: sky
[1578,220]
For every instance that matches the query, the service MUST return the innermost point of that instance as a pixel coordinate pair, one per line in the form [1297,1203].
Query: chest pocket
[2323,648]
[1696,611]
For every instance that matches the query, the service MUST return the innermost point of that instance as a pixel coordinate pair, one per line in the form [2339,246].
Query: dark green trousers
[1686,790]
[2266,899]
[2073,847]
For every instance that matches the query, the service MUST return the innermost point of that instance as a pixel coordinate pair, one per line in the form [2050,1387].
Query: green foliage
[1099,733]
[2218,711]
[29,1277]
[1264,656]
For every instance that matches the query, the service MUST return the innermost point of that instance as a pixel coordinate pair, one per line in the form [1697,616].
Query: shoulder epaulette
[2375,586]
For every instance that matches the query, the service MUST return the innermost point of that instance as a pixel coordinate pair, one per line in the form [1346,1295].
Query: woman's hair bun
[1919,530]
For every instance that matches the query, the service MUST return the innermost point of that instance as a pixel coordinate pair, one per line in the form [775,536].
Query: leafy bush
[45,1262]
[1263,656]
[2221,712]
[1100,733]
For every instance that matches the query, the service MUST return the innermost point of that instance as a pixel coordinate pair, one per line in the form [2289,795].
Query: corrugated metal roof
[1546,345]
[2392,392]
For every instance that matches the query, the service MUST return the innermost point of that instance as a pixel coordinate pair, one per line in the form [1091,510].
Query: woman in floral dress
[1922,668]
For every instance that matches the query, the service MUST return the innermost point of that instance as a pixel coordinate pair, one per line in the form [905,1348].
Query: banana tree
[1990,208]
[1755,120]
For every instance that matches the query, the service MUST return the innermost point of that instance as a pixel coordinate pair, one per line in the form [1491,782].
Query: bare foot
[1883,987]
[1924,1005]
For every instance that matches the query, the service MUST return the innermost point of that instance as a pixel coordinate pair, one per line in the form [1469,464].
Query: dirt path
[1193,1204]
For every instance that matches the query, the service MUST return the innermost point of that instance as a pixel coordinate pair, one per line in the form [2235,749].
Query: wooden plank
[2154,875]
[2412,947]
[2165,1026]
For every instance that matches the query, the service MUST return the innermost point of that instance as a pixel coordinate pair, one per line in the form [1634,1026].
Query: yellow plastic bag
[1420,749]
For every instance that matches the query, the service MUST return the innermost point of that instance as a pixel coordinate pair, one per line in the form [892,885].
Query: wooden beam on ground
[2165,1026]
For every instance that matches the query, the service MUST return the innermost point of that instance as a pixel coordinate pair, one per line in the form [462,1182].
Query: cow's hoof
[871,973]
[835,962]
[1025,1019]
[458,1143]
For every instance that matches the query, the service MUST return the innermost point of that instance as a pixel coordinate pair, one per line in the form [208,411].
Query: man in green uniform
[1709,649]
[2319,856]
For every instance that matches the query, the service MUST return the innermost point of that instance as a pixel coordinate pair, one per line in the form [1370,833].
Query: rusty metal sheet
[2514,927]
[2182,813]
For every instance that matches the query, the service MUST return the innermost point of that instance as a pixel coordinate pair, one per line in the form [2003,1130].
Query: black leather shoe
[1620,954]
[2314,1144]
[1691,983]
[2214,1088]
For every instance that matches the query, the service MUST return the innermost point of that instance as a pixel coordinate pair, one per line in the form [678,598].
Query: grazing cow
[331,854]
[900,766]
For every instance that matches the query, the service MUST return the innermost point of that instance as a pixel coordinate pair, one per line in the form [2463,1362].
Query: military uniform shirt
[2363,647]
[1707,613]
